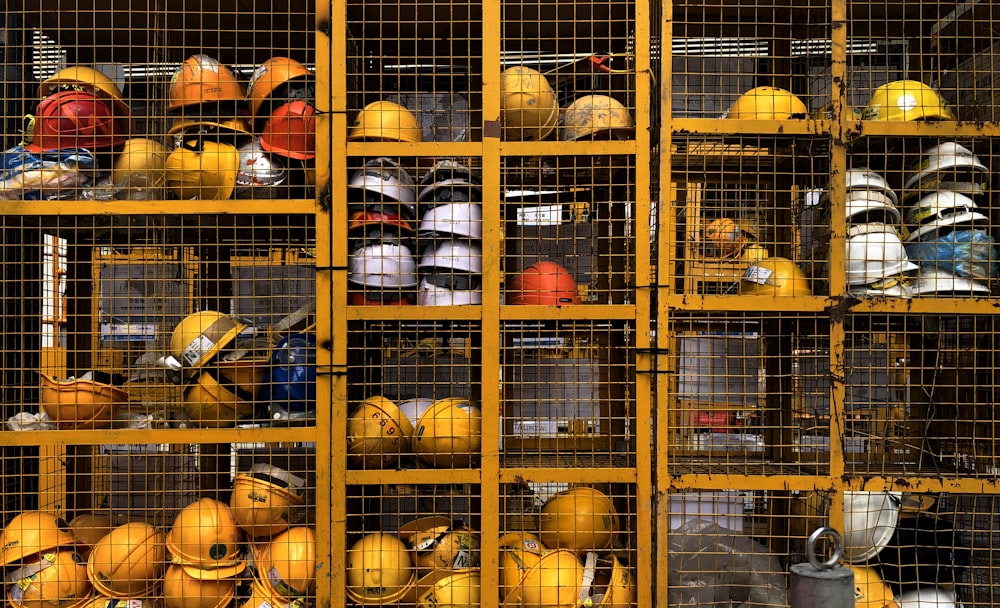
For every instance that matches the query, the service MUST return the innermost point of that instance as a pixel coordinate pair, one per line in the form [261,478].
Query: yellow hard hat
[377,433]
[181,590]
[441,543]
[519,551]
[202,169]
[774,276]
[31,533]
[287,565]
[380,571]
[554,581]
[385,121]
[88,529]
[459,588]
[270,75]
[265,499]
[449,434]
[767,103]
[128,561]
[50,580]
[206,537]
[143,156]
[528,107]
[190,126]
[596,117]
[579,519]
[80,404]
[81,77]
[208,403]
[261,596]
[906,100]
[614,584]
[870,591]
[200,336]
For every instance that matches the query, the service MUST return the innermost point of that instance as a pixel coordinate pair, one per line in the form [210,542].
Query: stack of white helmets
[875,258]
[948,238]
[450,233]
[381,265]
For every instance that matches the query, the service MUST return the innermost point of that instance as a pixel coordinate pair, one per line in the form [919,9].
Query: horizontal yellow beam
[104,208]
[816,304]
[160,436]
[855,129]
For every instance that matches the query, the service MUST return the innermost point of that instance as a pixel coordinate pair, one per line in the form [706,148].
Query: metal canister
[822,583]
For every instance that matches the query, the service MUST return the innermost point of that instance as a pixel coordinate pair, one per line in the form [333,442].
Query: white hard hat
[870,520]
[863,178]
[432,292]
[383,178]
[874,253]
[933,282]
[382,265]
[948,161]
[866,206]
[413,409]
[941,209]
[969,189]
[449,182]
[928,597]
[461,219]
[453,255]
[899,286]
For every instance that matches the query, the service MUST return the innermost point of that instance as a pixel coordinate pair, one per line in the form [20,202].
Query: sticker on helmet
[906,102]
[757,274]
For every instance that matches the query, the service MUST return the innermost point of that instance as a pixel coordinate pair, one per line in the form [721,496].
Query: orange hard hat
[269,76]
[544,283]
[202,79]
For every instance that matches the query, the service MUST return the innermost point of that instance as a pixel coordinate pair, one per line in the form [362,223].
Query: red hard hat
[367,217]
[291,131]
[544,283]
[76,119]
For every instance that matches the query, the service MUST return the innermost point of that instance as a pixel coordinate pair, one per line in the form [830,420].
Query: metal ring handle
[838,548]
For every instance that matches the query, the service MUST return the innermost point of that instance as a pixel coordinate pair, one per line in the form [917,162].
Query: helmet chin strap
[589,573]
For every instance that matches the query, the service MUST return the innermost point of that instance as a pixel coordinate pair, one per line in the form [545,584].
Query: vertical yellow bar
[492,281]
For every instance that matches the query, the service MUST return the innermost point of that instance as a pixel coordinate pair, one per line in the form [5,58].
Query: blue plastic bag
[967,253]
[52,175]
[290,381]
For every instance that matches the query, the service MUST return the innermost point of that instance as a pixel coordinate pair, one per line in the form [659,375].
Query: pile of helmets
[876,262]
[729,239]
[947,238]
[207,546]
[225,383]
[80,403]
[382,266]
[450,233]
[900,552]
[431,561]
[529,111]
[442,433]
[233,141]
[214,396]
[41,564]
[80,108]
[571,561]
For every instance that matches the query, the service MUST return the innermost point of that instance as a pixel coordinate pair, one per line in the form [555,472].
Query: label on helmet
[757,274]
[197,349]
[907,102]
[462,560]
[217,551]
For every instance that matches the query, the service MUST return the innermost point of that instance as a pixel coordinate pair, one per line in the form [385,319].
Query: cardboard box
[552,397]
